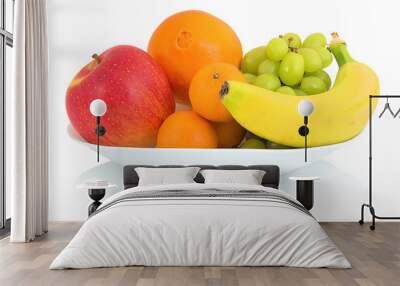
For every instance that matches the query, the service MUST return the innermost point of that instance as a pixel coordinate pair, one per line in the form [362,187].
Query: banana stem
[339,50]
[224,89]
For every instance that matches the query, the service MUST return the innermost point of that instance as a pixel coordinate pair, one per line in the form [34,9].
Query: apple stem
[96,57]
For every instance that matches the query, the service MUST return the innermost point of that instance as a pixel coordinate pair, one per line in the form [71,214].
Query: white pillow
[163,176]
[248,177]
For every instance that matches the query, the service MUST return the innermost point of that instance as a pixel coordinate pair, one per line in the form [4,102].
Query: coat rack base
[374,216]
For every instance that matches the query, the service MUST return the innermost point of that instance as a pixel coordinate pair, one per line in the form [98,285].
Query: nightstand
[96,193]
[305,190]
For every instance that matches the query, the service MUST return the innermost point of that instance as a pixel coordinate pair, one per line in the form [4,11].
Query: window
[6,43]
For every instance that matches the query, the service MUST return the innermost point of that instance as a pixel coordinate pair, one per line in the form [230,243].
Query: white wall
[79,28]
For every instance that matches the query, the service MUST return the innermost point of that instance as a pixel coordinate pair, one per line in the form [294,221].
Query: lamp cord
[98,137]
[305,137]
[98,147]
[305,145]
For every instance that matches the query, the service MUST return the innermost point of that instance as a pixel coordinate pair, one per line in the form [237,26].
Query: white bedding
[185,231]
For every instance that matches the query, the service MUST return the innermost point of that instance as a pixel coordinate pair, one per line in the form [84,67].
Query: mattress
[201,225]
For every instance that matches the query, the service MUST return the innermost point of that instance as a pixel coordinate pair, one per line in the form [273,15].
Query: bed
[199,224]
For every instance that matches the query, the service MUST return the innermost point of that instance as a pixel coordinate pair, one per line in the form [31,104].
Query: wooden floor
[375,257]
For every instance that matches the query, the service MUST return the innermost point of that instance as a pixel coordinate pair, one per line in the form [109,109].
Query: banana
[339,114]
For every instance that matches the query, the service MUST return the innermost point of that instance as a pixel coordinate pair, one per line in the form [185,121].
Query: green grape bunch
[288,65]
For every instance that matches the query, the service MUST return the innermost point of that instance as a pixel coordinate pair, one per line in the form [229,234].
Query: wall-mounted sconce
[98,108]
[305,108]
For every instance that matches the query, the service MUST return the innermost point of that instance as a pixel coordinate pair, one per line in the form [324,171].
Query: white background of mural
[79,28]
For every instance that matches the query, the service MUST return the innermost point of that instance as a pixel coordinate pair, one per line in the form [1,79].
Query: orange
[185,42]
[229,134]
[186,129]
[204,92]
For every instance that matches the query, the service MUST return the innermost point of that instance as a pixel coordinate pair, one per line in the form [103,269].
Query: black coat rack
[370,205]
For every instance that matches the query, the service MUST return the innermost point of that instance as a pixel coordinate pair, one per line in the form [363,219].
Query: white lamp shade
[305,107]
[98,107]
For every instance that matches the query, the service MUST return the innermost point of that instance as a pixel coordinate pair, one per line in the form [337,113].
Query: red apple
[136,91]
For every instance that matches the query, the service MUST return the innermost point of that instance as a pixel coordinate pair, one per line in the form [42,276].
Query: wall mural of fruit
[234,101]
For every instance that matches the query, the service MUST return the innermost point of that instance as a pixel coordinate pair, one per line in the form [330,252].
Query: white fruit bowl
[287,159]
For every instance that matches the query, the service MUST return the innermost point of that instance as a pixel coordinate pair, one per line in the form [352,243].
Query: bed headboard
[271,177]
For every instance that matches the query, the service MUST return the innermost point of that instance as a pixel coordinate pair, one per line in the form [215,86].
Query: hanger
[387,107]
[397,113]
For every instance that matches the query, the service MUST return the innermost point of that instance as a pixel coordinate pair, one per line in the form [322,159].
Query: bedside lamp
[305,108]
[98,108]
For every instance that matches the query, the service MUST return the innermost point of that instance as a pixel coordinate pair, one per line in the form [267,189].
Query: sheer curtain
[27,162]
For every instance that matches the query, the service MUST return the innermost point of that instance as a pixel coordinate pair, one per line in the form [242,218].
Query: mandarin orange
[229,134]
[186,129]
[204,91]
